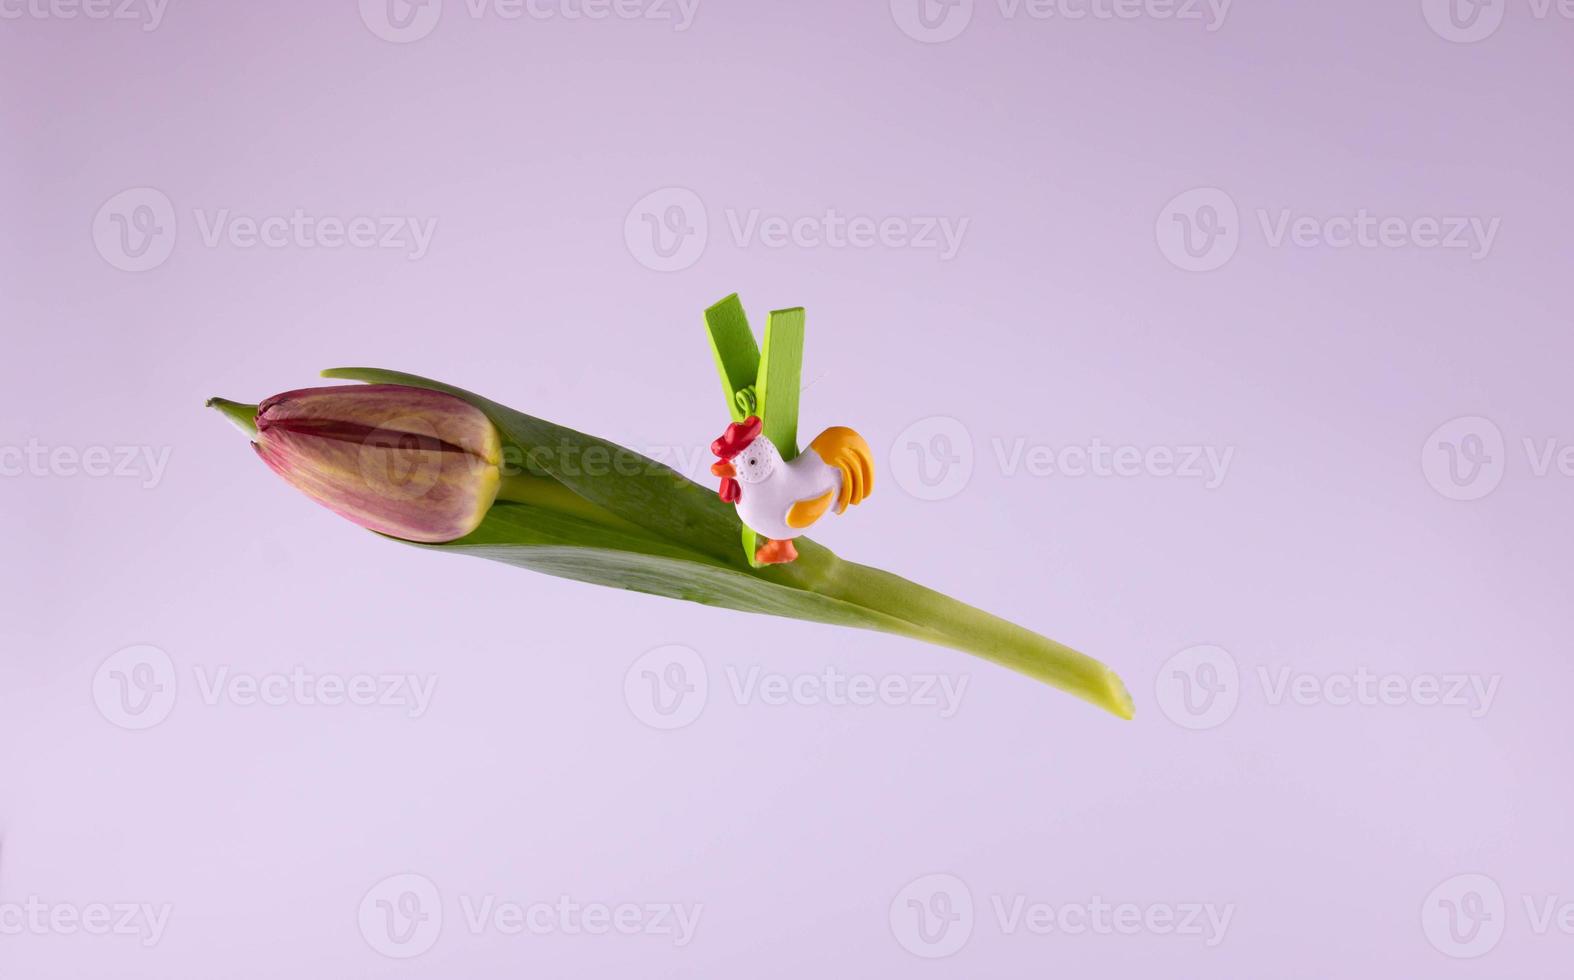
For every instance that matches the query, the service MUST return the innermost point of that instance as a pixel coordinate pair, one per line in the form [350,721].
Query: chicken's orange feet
[774,552]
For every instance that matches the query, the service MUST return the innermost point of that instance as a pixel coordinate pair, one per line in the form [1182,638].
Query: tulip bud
[412,463]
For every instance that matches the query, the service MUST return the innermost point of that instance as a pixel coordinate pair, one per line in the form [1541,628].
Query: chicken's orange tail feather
[846,450]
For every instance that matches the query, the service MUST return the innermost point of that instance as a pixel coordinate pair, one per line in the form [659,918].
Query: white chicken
[779,500]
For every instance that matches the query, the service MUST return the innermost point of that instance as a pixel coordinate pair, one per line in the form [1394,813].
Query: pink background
[1330,547]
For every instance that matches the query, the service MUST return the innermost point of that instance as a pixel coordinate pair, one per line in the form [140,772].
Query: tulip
[411,463]
[419,460]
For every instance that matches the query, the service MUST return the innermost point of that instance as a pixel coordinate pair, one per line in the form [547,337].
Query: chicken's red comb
[737,437]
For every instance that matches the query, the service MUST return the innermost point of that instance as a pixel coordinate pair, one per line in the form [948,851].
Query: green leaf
[573,547]
[629,522]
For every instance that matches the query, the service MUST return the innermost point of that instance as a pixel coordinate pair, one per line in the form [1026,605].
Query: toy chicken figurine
[780,499]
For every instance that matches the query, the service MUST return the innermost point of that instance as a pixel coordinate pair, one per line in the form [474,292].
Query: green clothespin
[765,384]
[780,379]
[737,355]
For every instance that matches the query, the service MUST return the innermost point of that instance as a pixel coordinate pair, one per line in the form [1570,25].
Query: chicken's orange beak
[723,467]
